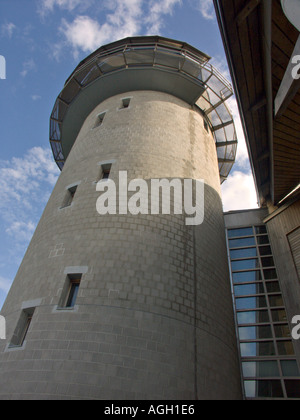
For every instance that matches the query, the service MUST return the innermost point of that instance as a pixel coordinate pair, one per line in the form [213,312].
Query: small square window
[105,171]
[99,119]
[105,174]
[125,103]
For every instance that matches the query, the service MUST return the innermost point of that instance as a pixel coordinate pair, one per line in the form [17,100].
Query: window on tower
[99,120]
[70,291]
[73,293]
[125,103]
[69,196]
[105,171]
[22,328]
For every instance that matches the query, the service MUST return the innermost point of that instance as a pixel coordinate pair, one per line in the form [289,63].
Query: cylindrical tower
[125,306]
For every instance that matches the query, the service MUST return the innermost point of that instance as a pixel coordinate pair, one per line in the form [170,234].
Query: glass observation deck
[145,63]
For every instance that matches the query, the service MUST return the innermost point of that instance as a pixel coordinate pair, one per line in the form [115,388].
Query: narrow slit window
[73,293]
[70,196]
[22,328]
[70,291]
[99,120]
[206,126]
[27,325]
[125,103]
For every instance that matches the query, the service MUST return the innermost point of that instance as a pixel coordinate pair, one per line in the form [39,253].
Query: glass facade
[268,364]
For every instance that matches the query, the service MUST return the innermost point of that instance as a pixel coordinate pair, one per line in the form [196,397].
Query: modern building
[124,306]
[262,46]
[129,306]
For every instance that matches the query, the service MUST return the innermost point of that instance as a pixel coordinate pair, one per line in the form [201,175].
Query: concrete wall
[153,318]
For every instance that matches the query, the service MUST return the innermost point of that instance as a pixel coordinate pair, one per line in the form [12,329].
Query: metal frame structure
[179,69]
[263,331]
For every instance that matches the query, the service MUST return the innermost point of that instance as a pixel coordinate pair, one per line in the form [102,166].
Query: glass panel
[292,388]
[73,295]
[236,233]
[260,229]
[249,289]
[260,369]
[269,389]
[262,240]
[265,348]
[111,63]
[169,59]
[241,243]
[255,317]
[279,315]
[70,91]
[290,368]
[263,389]
[245,265]
[247,277]
[276,300]
[243,253]
[251,303]
[139,56]
[282,331]
[270,274]
[254,333]
[265,250]
[285,348]
[273,287]
[267,262]
[87,75]
[192,67]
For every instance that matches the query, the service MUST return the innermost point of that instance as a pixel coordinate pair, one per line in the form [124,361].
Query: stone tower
[124,306]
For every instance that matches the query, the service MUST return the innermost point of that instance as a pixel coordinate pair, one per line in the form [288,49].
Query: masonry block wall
[153,317]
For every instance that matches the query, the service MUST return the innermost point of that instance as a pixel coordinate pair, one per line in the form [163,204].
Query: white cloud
[239,192]
[206,7]
[5,284]
[157,11]
[21,230]
[87,34]
[46,6]
[36,97]
[28,66]
[25,185]
[7,29]
[122,18]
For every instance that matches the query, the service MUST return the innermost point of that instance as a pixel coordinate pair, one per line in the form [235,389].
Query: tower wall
[153,318]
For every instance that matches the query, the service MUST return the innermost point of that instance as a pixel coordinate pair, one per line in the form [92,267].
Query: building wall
[281,224]
[262,294]
[153,318]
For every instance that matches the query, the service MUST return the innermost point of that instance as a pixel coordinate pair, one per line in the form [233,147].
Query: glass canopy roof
[195,81]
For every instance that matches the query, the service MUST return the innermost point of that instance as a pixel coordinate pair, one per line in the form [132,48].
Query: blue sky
[42,42]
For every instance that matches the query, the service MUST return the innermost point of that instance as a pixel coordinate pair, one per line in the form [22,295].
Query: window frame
[274,312]
[99,120]
[74,287]
[18,339]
